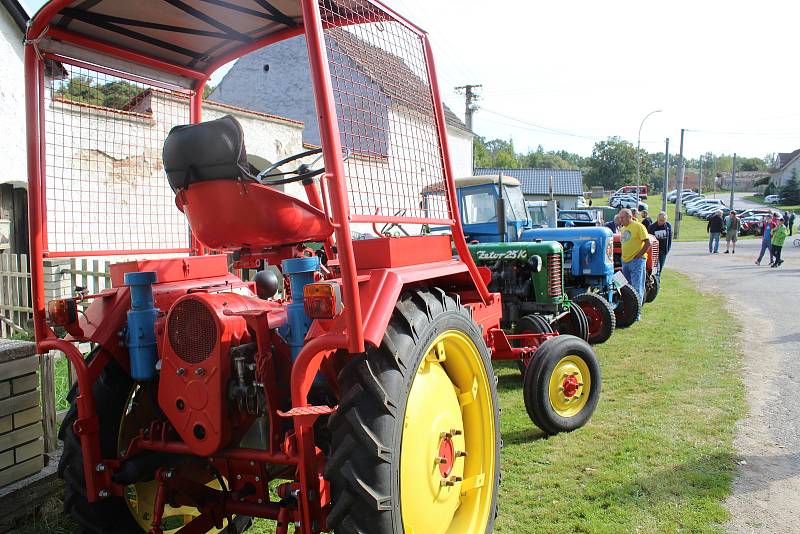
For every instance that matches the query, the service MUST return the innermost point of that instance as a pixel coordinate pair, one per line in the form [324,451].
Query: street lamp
[639,156]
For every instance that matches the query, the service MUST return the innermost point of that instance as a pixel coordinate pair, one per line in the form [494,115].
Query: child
[778,237]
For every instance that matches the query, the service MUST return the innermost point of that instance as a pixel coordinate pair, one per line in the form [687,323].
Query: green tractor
[528,274]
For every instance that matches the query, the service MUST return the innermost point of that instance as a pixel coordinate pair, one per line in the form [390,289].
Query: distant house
[788,162]
[277,80]
[535,183]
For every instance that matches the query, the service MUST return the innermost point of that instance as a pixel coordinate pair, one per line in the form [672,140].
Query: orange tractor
[354,392]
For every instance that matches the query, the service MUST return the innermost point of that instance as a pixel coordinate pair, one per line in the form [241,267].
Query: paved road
[766,494]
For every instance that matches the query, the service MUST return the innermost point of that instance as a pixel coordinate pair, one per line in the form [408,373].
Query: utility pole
[470,96]
[700,178]
[679,191]
[733,180]
[666,178]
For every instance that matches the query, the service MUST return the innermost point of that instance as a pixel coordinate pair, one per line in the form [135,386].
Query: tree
[114,94]
[613,164]
[81,89]
[790,193]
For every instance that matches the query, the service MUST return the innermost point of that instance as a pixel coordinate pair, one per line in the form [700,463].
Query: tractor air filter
[192,331]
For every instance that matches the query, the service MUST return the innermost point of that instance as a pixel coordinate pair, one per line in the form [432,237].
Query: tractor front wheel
[562,385]
[575,323]
[415,442]
[600,314]
[652,288]
[627,309]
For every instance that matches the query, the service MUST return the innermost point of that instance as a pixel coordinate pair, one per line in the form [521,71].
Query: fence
[15,296]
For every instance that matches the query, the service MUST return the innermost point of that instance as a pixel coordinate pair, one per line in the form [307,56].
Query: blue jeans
[662,259]
[634,273]
[765,246]
[713,242]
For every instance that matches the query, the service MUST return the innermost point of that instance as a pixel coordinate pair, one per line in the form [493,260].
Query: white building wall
[460,144]
[12,103]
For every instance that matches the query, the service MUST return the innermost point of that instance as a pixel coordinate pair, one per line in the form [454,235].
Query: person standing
[613,225]
[635,244]
[732,226]
[790,222]
[645,218]
[662,230]
[779,234]
[714,228]
[766,239]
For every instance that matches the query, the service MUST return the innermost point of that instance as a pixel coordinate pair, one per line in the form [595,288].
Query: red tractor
[357,393]
[652,283]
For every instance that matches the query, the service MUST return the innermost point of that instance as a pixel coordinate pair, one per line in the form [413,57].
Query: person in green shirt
[778,237]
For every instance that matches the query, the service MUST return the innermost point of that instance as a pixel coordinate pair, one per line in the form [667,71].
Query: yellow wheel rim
[447,454]
[141,497]
[570,384]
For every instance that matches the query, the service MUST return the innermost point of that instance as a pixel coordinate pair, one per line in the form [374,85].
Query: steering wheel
[388,226]
[303,172]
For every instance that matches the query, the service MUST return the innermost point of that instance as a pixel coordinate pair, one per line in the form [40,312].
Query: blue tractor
[589,277]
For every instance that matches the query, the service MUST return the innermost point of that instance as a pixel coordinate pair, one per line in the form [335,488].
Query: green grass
[657,455]
[783,207]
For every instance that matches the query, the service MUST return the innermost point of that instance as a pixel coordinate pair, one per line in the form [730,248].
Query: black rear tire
[536,389]
[367,428]
[652,289]
[627,309]
[600,314]
[574,323]
[531,324]
[111,394]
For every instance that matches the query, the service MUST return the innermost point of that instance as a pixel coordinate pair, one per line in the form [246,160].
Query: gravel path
[766,493]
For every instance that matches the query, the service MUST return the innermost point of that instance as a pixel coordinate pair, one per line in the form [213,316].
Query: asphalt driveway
[766,494]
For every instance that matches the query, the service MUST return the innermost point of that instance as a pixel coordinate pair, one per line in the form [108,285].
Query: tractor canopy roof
[468,181]
[197,36]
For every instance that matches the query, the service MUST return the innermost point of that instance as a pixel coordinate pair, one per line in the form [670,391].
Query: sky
[566,74]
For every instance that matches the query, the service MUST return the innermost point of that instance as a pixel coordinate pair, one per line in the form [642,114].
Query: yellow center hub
[140,497]
[447,457]
[570,384]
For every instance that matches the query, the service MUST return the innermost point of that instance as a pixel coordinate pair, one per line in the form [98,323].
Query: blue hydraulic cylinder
[301,273]
[141,336]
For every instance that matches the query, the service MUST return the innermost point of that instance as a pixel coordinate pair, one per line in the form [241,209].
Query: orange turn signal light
[322,300]
[62,312]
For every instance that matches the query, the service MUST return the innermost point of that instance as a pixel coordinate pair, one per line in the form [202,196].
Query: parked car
[673,195]
[630,190]
[759,212]
[691,200]
[708,212]
[706,203]
[772,199]
[580,202]
[626,201]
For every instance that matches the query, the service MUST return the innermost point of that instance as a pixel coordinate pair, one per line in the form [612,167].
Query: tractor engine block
[202,339]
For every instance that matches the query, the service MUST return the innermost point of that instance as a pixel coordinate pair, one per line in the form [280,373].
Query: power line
[544,128]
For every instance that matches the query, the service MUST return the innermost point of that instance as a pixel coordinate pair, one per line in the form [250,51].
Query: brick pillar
[56,279]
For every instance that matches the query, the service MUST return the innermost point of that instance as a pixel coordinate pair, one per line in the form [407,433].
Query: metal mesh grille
[554,275]
[385,112]
[192,331]
[105,186]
